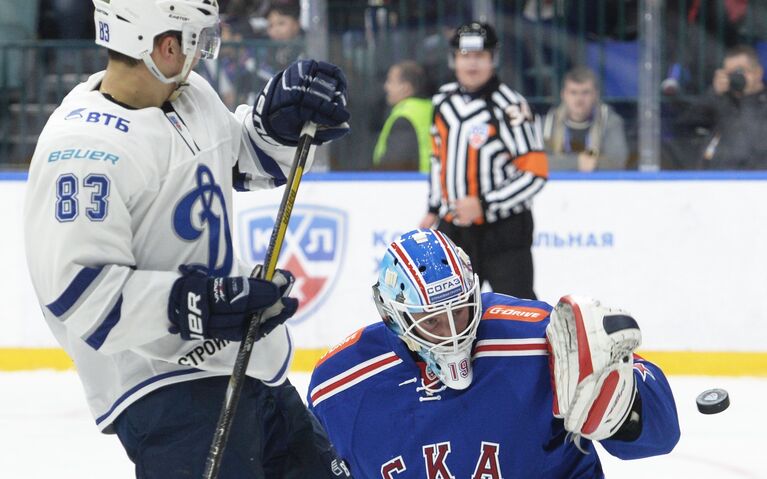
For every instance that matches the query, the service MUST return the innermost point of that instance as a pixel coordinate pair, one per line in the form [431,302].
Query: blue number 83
[104,32]
[67,203]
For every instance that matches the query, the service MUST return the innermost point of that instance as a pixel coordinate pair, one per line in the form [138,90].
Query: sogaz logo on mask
[444,289]
[312,250]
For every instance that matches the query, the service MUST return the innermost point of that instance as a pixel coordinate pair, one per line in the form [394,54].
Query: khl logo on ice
[312,249]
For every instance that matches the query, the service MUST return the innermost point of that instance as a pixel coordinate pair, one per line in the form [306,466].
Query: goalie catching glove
[591,358]
[202,307]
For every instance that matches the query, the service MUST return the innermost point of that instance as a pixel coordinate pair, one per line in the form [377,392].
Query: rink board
[682,252]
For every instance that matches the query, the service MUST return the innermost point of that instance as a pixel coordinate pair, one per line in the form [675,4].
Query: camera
[737,81]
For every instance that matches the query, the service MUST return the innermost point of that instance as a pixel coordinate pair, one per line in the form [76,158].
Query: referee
[487,165]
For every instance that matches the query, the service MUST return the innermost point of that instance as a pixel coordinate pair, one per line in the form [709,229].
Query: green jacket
[418,112]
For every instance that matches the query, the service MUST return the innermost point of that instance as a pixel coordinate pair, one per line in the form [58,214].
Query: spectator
[487,165]
[250,12]
[733,115]
[232,74]
[242,70]
[287,40]
[582,133]
[405,141]
[284,23]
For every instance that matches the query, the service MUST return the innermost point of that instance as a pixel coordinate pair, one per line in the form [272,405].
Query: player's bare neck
[134,86]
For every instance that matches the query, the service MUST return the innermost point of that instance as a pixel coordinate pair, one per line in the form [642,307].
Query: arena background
[680,247]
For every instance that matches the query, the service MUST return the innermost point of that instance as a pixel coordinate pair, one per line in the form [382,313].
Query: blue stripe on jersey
[72,293]
[238,180]
[97,338]
[285,364]
[141,385]
[269,165]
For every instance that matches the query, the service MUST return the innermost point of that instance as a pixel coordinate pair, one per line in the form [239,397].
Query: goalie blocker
[591,355]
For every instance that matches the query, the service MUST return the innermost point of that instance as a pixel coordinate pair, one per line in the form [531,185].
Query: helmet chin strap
[180,87]
[179,79]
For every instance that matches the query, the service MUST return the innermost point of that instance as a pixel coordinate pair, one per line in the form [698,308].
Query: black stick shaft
[228,409]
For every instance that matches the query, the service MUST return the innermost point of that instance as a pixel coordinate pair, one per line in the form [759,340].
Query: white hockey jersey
[117,199]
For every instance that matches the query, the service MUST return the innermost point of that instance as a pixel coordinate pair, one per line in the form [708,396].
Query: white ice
[46,432]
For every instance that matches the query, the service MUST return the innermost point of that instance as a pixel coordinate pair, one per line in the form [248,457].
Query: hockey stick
[233,389]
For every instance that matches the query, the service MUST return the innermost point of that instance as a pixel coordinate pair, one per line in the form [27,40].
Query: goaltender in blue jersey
[458,384]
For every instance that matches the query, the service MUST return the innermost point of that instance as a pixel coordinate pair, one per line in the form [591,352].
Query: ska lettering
[436,462]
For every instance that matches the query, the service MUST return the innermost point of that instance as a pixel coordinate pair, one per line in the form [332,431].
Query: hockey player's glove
[202,307]
[591,357]
[307,90]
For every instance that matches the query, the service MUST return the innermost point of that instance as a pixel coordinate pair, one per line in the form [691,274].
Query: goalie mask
[429,296]
[130,27]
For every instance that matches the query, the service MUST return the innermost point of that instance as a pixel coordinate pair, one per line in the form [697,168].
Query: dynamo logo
[312,249]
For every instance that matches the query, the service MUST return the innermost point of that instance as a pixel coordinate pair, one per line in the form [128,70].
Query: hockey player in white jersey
[129,244]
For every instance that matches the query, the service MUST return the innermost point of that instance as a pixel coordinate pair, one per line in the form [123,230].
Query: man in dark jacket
[733,115]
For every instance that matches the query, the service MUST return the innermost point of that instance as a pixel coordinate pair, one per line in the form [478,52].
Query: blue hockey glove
[307,90]
[201,307]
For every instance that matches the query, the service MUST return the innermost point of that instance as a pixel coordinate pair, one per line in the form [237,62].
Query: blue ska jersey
[368,393]
[116,200]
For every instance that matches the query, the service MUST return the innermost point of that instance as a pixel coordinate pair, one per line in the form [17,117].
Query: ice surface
[46,432]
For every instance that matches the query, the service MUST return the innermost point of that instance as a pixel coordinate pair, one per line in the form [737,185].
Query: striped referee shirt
[487,145]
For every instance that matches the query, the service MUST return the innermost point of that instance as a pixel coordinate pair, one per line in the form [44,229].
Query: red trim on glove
[599,407]
[555,404]
[585,368]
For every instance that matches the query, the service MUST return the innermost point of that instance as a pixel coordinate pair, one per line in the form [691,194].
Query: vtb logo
[312,249]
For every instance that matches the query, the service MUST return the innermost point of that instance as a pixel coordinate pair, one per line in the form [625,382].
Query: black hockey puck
[713,401]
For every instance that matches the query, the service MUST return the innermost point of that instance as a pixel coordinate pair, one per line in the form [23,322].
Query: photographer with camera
[732,118]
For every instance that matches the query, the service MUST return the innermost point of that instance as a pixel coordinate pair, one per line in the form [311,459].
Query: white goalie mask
[130,27]
[429,296]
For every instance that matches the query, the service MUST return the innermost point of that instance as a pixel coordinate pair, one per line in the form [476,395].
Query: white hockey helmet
[424,276]
[130,27]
